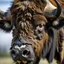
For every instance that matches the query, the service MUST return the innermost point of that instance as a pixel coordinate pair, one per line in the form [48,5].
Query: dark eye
[41,25]
[40,28]
[39,31]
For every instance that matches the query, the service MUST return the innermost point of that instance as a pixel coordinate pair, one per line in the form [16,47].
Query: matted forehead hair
[15,1]
[38,3]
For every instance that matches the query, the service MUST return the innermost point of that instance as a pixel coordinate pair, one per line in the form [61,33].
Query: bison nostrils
[23,52]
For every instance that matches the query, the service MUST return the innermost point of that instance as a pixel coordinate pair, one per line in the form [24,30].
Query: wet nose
[23,53]
[15,53]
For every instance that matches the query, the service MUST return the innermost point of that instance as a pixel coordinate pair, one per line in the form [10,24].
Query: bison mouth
[25,62]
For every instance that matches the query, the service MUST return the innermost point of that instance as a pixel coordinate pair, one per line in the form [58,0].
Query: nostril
[26,52]
[13,53]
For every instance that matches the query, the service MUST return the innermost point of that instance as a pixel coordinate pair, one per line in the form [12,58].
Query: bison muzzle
[22,52]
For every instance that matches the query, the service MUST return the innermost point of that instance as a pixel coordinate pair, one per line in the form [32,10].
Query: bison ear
[5,21]
[5,25]
[58,23]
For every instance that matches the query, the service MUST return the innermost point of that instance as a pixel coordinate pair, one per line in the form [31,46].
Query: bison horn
[51,12]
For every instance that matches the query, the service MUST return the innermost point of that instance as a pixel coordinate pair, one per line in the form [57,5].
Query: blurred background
[6,38]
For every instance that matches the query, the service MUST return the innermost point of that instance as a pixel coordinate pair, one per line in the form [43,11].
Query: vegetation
[4,54]
[6,59]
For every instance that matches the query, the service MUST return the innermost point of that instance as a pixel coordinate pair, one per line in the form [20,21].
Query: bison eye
[39,30]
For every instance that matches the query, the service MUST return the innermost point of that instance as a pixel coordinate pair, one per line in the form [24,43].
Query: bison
[33,28]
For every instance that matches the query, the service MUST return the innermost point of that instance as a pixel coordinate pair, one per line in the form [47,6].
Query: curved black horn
[53,14]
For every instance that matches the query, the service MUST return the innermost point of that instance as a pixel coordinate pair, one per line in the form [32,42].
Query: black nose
[14,53]
[23,53]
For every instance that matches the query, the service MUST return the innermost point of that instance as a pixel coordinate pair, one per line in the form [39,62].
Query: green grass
[4,54]
[45,62]
[8,60]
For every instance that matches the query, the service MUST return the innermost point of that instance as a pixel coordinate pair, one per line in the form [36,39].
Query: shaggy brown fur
[29,22]
[62,45]
[28,14]
[60,48]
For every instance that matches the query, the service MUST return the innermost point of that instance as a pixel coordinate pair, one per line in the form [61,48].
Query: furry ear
[58,23]
[5,25]
[48,51]
[5,21]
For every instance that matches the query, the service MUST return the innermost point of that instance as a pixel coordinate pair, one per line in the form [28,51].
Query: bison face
[22,52]
[28,32]
[28,37]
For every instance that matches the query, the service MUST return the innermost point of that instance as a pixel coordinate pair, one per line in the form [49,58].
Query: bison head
[30,30]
